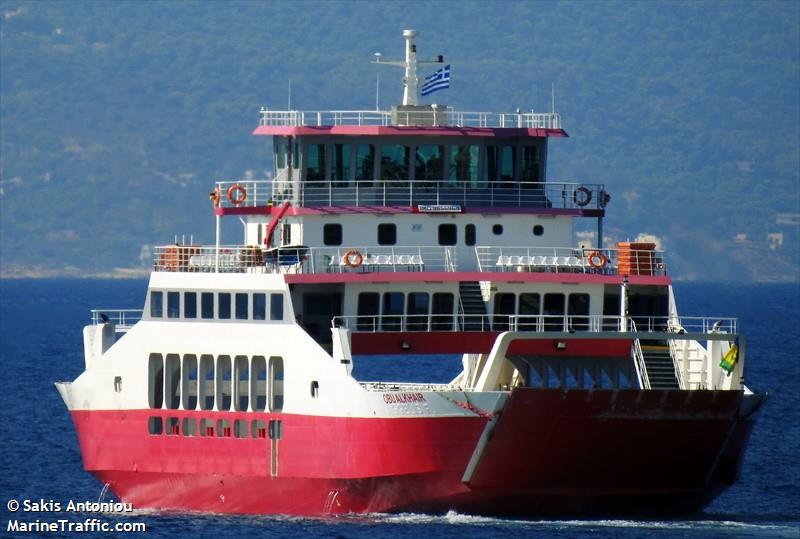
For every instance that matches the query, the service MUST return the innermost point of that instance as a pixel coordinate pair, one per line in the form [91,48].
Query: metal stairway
[473,307]
[659,365]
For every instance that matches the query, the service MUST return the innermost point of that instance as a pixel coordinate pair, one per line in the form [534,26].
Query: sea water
[41,342]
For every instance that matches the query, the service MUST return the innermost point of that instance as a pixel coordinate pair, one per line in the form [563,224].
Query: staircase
[659,365]
[472,307]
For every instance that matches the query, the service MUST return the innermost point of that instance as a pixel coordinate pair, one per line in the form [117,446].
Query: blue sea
[40,342]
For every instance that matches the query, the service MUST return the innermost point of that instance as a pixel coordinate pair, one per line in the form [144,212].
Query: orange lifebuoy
[214,196]
[584,198]
[353,258]
[237,194]
[597,260]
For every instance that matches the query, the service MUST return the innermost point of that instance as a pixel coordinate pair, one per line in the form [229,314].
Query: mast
[410,80]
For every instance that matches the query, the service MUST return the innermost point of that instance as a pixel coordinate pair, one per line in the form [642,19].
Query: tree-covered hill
[116,117]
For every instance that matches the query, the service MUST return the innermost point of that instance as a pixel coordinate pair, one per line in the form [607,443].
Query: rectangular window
[315,163]
[259,306]
[190,382]
[392,311]
[156,380]
[172,381]
[275,384]
[190,304]
[242,383]
[503,310]
[295,154]
[258,384]
[368,304]
[553,312]
[156,304]
[417,310]
[530,164]
[280,155]
[173,305]
[207,427]
[332,234]
[442,311]
[428,165]
[448,234]
[508,165]
[340,168]
[224,300]
[155,425]
[241,306]
[365,164]
[224,383]
[394,163]
[240,428]
[258,429]
[189,426]
[206,382]
[387,234]
[276,306]
[491,163]
[578,312]
[469,235]
[529,307]
[464,164]
[223,428]
[207,305]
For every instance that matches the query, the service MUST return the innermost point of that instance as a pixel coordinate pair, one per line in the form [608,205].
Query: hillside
[116,117]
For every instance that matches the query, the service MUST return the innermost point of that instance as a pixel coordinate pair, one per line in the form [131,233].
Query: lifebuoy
[584,198]
[597,260]
[353,258]
[214,196]
[237,194]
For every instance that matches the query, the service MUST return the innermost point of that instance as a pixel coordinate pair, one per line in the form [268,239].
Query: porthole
[538,230]
[497,230]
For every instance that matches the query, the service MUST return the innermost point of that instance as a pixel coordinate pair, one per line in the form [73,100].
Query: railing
[433,117]
[399,192]
[516,322]
[638,360]
[568,260]
[301,259]
[123,319]
[406,386]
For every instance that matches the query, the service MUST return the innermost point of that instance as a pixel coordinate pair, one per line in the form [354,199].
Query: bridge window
[579,311]
[315,163]
[417,310]
[530,165]
[501,164]
[504,307]
[241,306]
[387,234]
[276,306]
[172,381]
[258,384]
[276,384]
[332,234]
[442,311]
[528,310]
[259,306]
[392,311]
[280,155]
[340,169]
[448,234]
[207,305]
[469,235]
[368,304]
[428,163]
[156,304]
[224,383]
[190,304]
[173,304]
[206,382]
[553,312]
[224,300]
[464,164]
[155,385]
[365,164]
[189,389]
[394,163]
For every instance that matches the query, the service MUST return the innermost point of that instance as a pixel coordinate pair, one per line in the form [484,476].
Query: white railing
[405,386]
[568,260]
[302,259]
[401,192]
[638,360]
[123,319]
[433,117]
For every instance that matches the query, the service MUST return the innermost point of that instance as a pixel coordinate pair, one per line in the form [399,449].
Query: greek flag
[438,81]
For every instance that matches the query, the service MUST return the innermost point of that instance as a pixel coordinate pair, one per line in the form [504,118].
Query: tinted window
[332,234]
[173,304]
[529,306]
[224,305]
[387,234]
[553,312]
[417,310]
[503,308]
[579,311]
[190,305]
[276,306]
[259,306]
[365,163]
[156,304]
[442,311]
[207,305]
[469,235]
[241,306]
[447,234]
[392,311]
[367,309]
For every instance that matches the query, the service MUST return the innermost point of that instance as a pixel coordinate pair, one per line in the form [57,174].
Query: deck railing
[440,117]
[569,260]
[123,319]
[558,195]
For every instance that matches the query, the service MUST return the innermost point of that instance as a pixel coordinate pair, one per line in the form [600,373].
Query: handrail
[638,360]
[123,319]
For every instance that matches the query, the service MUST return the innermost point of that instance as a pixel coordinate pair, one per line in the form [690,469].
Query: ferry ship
[416,231]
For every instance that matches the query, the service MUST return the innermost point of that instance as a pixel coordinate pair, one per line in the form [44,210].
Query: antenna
[553,97]
[289,104]
[378,83]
